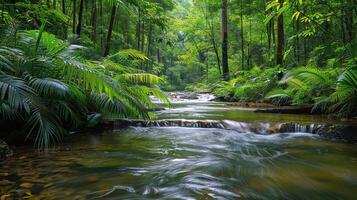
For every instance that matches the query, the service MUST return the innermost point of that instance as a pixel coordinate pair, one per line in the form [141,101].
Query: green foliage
[343,101]
[250,85]
[45,85]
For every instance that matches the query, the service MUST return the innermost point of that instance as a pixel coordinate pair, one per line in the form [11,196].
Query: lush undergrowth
[331,90]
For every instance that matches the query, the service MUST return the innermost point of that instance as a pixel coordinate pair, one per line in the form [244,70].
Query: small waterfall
[241,127]
[169,123]
[300,128]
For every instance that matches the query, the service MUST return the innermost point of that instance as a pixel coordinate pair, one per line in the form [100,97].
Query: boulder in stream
[191,95]
[5,150]
[347,133]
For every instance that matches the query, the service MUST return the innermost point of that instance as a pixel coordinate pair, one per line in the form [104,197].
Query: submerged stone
[5,150]
[26,185]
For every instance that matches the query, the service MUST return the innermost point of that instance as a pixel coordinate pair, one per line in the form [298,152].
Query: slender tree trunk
[349,20]
[207,70]
[64,6]
[225,68]
[249,61]
[242,34]
[80,18]
[158,55]
[215,49]
[139,28]
[142,35]
[342,17]
[280,40]
[110,30]
[268,28]
[142,41]
[273,31]
[94,21]
[269,33]
[148,52]
[214,45]
[101,22]
[305,49]
[74,11]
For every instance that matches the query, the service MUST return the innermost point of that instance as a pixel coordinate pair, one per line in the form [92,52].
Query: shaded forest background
[67,64]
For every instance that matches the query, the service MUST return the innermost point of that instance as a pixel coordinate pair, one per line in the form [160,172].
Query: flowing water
[188,163]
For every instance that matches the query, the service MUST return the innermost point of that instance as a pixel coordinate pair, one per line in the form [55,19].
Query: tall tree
[242,34]
[63,6]
[225,68]
[280,39]
[94,21]
[74,11]
[80,18]
[101,22]
[110,30]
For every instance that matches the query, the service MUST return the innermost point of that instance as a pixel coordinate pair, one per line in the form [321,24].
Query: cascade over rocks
[342,132]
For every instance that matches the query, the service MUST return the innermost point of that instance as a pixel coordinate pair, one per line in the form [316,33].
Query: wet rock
[37,189]
[5,182]
[26,185]
[344,132]
[287,127]
[347,133]
[5,197]
[274,128]
[191,96]
[5,150]
[155,109]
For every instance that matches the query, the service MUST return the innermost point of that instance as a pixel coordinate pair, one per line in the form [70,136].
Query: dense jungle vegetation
[67,64]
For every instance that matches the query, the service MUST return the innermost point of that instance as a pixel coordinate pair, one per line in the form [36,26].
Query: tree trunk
[269,32]
[342,19]
[138,29]
[63,6]
[349,20]
[110,30]
[242,34]
[249,60]
[280,40]
[74,11]
[80,18]
[94,21]
[225,68]
[101,22]
[142,36]
[148,51]
[158,55]
[214,45]
[297,41]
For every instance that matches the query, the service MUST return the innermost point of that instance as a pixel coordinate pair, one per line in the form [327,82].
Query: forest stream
[188,163]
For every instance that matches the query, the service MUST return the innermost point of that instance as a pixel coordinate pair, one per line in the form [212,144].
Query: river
[188,163]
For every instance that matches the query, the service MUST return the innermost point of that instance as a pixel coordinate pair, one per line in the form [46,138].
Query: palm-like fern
[45,84]
[343,101]
[332,91]
[305,84]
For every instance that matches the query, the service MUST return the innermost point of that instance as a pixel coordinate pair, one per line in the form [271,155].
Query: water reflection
[186,163]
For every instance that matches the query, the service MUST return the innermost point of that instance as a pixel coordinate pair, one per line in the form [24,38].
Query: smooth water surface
[186,163]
